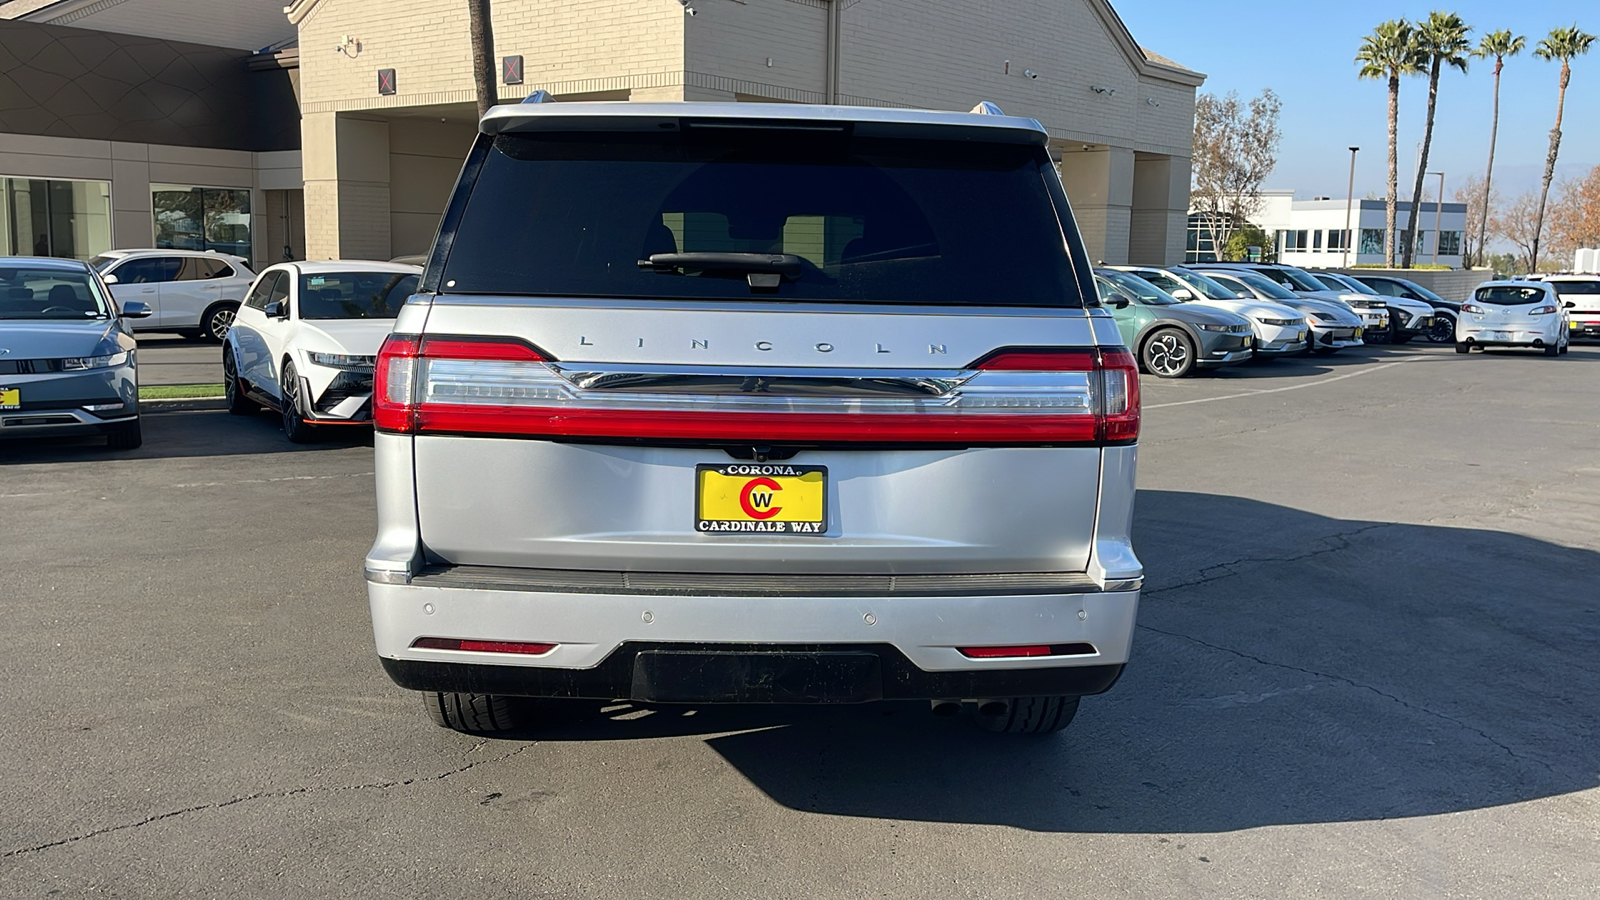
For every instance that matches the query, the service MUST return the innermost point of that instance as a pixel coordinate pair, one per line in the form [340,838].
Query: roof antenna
[985,108]
[539,96]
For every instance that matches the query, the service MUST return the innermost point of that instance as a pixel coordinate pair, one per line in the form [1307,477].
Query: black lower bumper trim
[752,673]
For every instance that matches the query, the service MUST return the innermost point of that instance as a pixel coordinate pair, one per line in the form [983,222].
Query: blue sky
[1304,52]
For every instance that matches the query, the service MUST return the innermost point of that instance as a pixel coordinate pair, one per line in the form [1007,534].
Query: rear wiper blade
[785,264]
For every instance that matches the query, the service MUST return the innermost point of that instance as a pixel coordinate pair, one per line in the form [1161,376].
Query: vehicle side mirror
[1572,304]
[110,279]
[1183,294]
[275,310]
[1118,302]
[136,309]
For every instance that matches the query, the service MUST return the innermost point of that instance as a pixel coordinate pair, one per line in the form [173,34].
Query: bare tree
[1478,199]
[1575,214]
[484,68]
[1235,149]
[1516,223]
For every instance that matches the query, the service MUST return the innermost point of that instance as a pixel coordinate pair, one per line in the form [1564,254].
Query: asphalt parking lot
[175,359]
[1366,667]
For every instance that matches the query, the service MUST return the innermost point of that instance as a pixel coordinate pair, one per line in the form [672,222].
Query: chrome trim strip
[701,584]
[387,576]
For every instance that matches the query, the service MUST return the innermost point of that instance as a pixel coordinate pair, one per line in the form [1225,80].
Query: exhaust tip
[946,707]
[992,709]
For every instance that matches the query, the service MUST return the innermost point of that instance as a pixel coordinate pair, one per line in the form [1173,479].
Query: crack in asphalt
[1337,542]
[269,795]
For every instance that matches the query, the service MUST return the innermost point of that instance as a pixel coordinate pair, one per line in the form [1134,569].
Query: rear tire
[475,713]
[1029,715]
[1443,330]
[128,436]
[1402,338]
[1463,348]
[1552,349]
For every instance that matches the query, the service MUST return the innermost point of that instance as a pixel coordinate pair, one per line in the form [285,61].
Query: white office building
[1317,233]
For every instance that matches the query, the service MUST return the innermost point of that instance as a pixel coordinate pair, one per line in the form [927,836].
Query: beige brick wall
[567,48]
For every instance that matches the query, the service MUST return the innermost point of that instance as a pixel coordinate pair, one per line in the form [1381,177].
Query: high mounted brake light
[507,387]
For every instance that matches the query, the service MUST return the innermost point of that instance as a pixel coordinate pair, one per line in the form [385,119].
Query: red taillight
[392,383]
[524,647]
[1005,652]
[505,386]
[1026,650]
[394,387]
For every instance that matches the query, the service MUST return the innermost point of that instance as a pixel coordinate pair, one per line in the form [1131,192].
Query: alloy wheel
[1166,355]
[220,322]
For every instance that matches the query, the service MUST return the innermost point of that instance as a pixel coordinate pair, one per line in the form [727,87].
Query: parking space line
[1293,387]
[269,480]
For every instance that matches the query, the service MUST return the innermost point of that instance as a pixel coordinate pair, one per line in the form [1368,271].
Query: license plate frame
[746,502]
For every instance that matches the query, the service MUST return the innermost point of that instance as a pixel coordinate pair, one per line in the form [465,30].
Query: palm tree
[1442,40]
[1498,44]
[1562,44]
[1389,52]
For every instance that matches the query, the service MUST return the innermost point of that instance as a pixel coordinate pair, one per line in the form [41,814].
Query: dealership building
[335,128]
[1325,233]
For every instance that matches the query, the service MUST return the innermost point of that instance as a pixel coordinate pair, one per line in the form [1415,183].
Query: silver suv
[741,403]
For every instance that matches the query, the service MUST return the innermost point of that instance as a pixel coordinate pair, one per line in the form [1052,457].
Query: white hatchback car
[192,292]
[1513,314]
[305,341]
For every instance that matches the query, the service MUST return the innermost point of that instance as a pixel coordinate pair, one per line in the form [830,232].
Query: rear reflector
[507,387]
[523,647]
[1027,650]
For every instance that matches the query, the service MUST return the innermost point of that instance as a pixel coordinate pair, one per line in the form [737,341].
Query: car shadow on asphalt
[184,434]
[1289,668]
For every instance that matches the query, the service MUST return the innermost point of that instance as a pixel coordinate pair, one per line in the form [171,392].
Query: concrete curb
[182,404]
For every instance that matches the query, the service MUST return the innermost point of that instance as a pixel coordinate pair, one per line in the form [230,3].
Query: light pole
[1438,216]
[1350,199]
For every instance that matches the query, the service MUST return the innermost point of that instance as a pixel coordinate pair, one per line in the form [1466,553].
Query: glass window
[147,270]
[1266,287]
[1194,281]
[355,295]
[1338,239]
[862,219]
[68,219]
[280,289]
[1296,240]
[1316,240]
[1449,243]
[1509,295]
[196,218]
[1140,287]
[1576,287]
[262,289]
[198,268]
[48,292]
[1372,241]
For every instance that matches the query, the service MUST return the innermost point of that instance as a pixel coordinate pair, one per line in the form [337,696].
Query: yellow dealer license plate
[761,498]
[10,398]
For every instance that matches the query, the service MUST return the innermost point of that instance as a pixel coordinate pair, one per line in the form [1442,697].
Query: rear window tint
[355,295]
[1576,287]
[866,220]
[1510,296]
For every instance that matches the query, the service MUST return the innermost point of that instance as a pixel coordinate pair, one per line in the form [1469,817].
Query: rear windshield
[1576,287]
[1509,296]
[355,295]
[790,216]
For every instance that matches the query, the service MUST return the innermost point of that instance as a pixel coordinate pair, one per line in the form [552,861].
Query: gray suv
[744,403]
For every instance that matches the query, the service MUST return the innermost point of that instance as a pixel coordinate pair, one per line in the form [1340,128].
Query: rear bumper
[1585,327]
[598,634]
[849,673]
[1508,337]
